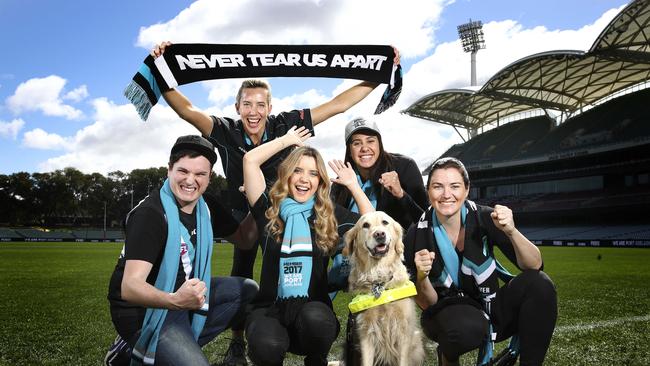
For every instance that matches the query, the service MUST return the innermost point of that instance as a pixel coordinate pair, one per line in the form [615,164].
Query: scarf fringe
[392,92]
[138,97]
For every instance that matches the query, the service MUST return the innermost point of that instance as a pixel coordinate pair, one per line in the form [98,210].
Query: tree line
[70,198]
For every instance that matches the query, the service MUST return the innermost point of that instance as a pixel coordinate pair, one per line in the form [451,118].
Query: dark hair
[449,162]
[179,154]
[252,84]
[383,164]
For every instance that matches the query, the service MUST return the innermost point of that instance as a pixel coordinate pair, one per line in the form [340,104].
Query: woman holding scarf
[299,223]
[450,252]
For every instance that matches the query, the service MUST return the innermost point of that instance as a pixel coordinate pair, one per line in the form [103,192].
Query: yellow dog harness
[364,302]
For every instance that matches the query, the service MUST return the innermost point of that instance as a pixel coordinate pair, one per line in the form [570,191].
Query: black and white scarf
[191,62]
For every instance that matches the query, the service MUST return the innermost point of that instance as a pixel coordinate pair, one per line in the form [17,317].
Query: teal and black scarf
[447,250]
[450,275]
[191,62]
[295,257]
[145,348]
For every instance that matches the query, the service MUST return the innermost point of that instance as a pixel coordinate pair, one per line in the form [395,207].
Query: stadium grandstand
[79,235]
[563,137]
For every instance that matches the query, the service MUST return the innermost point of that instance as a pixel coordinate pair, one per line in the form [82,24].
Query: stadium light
[472,38]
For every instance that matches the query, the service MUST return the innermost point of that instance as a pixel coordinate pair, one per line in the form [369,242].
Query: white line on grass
[601,324]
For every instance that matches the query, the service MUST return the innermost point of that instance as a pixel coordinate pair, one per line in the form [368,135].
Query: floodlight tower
[471,37]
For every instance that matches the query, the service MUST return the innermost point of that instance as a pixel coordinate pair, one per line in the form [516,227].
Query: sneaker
[505,358]
[119,354]
[236,354]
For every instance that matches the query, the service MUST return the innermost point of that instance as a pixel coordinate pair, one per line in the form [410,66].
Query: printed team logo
[359,122]
[292,274]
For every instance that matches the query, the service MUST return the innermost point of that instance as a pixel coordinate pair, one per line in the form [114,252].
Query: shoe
[119,354]
[442,361]
[236,354]
[505,358]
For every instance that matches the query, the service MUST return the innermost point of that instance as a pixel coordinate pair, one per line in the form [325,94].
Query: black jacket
[409,208]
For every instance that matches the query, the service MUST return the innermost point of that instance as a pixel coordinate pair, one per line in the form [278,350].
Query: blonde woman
[300,229]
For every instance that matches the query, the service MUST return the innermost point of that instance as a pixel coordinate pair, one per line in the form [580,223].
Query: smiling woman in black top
[293,312]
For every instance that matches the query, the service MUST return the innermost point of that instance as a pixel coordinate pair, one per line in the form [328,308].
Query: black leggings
[527,305]
[312,335]
[243,261]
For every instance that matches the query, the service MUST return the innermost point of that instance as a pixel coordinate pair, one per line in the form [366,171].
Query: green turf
[54,309]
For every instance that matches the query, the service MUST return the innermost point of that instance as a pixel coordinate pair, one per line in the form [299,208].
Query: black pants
[527,305]
[243,261]
[312,335]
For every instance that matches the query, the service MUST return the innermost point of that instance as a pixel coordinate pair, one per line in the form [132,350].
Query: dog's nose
[380,237]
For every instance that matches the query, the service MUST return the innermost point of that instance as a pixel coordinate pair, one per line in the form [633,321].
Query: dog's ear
[399,247]
[349,240]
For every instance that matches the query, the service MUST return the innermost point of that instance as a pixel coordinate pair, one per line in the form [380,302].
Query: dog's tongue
[381,248]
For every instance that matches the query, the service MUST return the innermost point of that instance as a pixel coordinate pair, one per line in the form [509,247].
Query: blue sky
[65,64]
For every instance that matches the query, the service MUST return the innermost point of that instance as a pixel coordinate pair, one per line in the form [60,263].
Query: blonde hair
[252,84]
[325,223]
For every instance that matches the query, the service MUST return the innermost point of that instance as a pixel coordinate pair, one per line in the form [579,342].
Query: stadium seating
[593,232]
[96,234]
[616,121]
[42,235]
[502,143]
[9,235]
[622,119]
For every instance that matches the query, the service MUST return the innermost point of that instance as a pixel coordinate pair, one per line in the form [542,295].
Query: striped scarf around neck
[145,348]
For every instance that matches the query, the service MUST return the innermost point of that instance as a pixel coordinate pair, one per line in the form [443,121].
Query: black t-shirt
[231,141]
[146,238]
[318,286]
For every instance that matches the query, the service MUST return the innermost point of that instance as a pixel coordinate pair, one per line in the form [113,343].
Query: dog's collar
[367,301]
[379,287]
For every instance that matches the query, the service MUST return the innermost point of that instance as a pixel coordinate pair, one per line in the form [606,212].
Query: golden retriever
[388,334]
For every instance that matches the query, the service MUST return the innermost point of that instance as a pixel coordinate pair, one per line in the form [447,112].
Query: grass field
[54,309]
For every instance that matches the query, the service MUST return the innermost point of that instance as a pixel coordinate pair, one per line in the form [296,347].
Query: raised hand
[159,49]
[390,181]
[345,175]
[423,262]
[396,60]
[503,219]
[296,136]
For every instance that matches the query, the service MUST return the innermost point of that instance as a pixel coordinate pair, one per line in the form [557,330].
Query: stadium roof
[566,81]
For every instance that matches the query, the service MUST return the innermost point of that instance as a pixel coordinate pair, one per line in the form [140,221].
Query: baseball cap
[196,143]
[358,124]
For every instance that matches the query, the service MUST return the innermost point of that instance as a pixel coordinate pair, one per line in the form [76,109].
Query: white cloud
[11,129]
[44,94]
[303,21]
[507,41]
[40,139]
[77,95]
[118,140]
